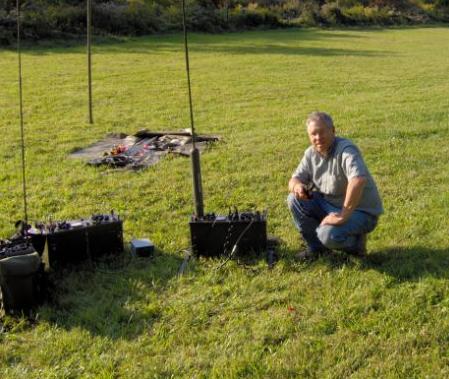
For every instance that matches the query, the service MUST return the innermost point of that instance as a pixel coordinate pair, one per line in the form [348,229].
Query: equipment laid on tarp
[143,149]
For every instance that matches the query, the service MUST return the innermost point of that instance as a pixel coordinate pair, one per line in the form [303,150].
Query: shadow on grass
[123,304]
[267,42]
[113,303]
[409,264]
[401,264]
[275,49]
[77,41]
[282,42]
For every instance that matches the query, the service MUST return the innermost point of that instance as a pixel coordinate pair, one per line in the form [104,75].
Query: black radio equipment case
[74,242]
[213,235]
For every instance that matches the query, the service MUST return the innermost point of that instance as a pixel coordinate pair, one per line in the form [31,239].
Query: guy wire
[22,134]
[186,49]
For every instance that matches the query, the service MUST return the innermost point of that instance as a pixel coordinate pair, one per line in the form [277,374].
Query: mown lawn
[384,316]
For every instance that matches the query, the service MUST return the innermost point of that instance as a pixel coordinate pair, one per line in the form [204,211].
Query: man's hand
[298,189]
[333,219]
[352,199]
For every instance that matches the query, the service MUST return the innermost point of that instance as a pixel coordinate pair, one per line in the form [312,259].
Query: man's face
[321,136]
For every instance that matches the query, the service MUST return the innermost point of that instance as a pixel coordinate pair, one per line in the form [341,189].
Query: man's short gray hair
[320,116]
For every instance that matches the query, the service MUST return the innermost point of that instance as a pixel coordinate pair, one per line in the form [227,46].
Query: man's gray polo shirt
[330,175]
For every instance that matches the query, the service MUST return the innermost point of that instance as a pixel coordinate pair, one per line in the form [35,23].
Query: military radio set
[33,251]
[234,234]
[77,241]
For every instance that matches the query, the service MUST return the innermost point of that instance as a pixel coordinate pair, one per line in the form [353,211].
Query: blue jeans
[307,215]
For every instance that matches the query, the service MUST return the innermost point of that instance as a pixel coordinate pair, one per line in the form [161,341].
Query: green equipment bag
[19,277]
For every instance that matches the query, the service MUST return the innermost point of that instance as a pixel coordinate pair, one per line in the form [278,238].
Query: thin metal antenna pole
[195,154]
[89,58]
[186,50]
[22,134]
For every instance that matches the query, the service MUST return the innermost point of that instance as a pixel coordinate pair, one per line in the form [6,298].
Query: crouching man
[333,198]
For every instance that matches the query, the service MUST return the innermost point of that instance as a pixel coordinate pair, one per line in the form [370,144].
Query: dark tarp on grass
[143,149]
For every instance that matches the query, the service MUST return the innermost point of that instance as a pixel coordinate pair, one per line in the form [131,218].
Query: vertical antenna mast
[195,154]
[89,58]
[22,134]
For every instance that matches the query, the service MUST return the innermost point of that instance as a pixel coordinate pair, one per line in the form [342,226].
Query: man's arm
[352,199]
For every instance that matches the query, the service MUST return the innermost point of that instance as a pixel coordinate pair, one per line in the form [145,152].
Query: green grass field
[386,316]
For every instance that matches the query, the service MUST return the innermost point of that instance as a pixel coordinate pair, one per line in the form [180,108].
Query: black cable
[185,262]
[235,247]
[22,134]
